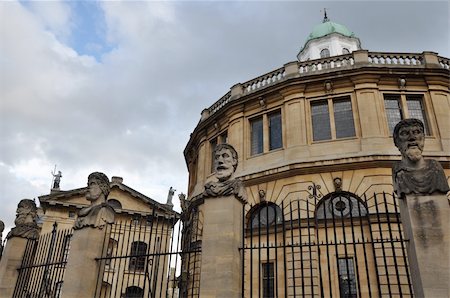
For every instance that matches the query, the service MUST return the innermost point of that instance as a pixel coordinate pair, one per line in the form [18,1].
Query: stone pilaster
[83,276]
[222,237]
[426,223]
[10,262]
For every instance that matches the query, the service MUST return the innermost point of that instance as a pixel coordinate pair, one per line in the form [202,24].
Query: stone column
[84,275]
[222,236]
[426,224]
[11,261]
[422,187]
[222,228]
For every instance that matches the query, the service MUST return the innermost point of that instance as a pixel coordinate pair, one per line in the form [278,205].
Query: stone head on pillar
[414,174]
[98,188]
[225,161]
[409,138]
[26,220]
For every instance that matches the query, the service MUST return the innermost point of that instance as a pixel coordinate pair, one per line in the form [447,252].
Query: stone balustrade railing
[354,60]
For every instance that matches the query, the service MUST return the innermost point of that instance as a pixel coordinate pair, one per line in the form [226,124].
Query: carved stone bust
[414,174]
[26,221]
[99,213]
[225,163]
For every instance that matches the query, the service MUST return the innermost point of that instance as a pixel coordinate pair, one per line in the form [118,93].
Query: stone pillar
[222,236]
[426,223]
[84,275]
[11,261]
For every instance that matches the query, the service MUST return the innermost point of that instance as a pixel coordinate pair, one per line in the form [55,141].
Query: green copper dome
[328,27]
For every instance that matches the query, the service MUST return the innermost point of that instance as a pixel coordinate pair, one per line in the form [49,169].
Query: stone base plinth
[10,262]
[222,237]
[426,222]
[81,278]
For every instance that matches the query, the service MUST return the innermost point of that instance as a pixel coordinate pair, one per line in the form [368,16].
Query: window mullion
[404,107]
[332,122]
[265,133]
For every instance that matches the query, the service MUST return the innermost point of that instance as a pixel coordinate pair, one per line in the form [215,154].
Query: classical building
[315,152]
[134,252]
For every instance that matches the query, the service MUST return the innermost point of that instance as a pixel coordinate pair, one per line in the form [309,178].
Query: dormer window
[324,53]
[345,51]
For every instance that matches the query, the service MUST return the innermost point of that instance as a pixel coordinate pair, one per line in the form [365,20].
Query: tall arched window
[340,205]
[325,53]
[265,214]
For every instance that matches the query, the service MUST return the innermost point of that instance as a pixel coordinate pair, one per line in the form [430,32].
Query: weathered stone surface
[26,221]
[99,213]
[413,174]
[426,221]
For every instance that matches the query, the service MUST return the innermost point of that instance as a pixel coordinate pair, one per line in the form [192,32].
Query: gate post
[26,229]
[84,274]
[425,211]
[222,229]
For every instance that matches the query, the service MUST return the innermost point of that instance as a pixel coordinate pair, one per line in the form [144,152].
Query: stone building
[315,152]
[131,256]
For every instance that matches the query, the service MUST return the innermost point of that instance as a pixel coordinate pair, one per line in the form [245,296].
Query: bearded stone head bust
[26,221]
[414,174]
[99,213]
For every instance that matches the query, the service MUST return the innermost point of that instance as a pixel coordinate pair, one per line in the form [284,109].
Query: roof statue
[170,196]
[26,221]
[99,213]
[414,174]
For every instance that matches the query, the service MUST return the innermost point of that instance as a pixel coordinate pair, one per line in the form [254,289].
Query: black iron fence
[339,245]
[41,273]
[143,258]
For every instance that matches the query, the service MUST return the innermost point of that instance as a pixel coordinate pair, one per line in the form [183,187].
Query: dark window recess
[347,278]
[320,121]
[256,135]
[275,131]
[417,110]
[343,118]
[268,280]
[393,111]
[138,251]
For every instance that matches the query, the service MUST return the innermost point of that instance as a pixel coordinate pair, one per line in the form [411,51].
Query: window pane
[393,111]
[268,280]
[275,132]
[343,118]
[416,110]
[212,145]
[347,278]
[257,135]
[320,121]
[324,53]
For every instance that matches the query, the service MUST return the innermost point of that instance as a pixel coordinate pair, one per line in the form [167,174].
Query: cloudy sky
[118,87]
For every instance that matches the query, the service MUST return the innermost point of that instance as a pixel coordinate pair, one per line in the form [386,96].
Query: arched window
[134,292]
[340,205]
[265,214]
[345,51]
[115,204]
[138,252]
[324,53]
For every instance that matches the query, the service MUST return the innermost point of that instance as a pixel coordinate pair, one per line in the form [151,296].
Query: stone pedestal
[81,278]
[11,261]
[426,222]
[222,237]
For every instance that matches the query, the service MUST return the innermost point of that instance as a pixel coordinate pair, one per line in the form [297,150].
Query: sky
[118,87]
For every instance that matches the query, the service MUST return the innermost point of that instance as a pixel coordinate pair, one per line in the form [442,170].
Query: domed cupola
[328,39]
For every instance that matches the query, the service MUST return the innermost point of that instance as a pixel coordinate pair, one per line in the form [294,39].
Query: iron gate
[41,273]
[339,245]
